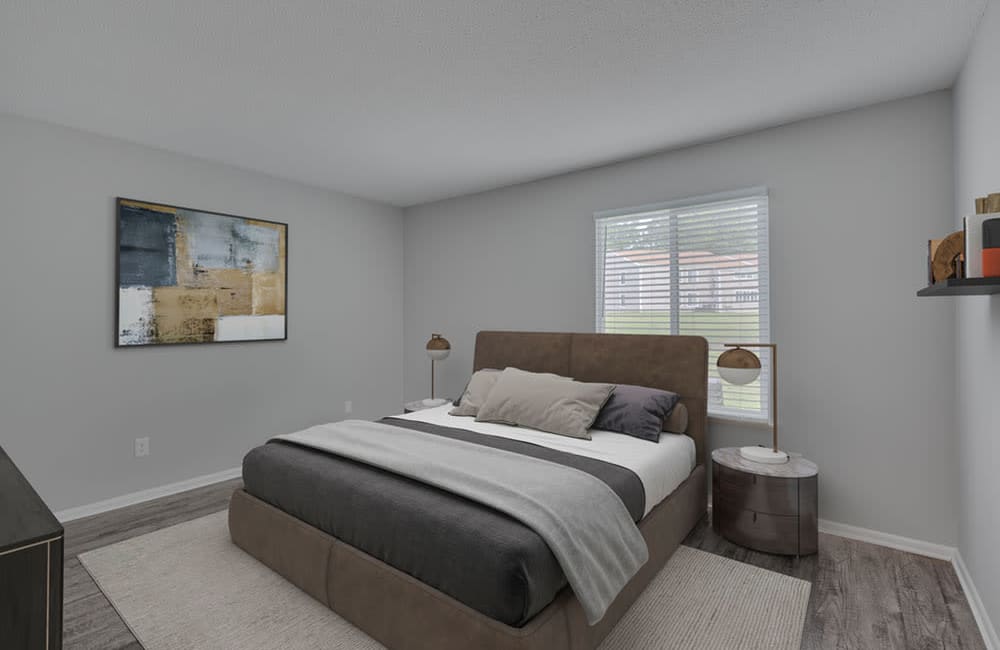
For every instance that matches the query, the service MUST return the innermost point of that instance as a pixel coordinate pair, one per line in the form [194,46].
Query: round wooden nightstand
[769,508]
[420,405]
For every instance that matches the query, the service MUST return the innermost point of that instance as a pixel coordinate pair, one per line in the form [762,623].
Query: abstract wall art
[190,276]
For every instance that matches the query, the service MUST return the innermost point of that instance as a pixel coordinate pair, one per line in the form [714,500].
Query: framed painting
[192,276]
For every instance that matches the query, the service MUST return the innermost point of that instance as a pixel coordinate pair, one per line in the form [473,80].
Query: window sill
[740,419]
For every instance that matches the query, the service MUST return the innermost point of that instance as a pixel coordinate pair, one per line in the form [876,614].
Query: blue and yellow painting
[186,276]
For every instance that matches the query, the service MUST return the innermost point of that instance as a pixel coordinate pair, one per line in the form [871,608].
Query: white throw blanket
[582,520]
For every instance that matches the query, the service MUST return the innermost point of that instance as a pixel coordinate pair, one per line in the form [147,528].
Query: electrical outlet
[141,447]
[348,407]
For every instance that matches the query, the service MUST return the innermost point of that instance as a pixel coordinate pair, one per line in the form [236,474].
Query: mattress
[481,557]
[660,466]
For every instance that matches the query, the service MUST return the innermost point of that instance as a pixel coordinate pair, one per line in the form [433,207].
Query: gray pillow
[475,393]
[470,400]
[544,402]
[637,411]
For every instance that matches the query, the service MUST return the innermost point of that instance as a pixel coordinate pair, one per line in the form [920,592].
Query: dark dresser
[31,566]
[769,508]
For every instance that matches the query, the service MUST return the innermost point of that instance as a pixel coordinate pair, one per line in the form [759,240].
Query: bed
[419,568]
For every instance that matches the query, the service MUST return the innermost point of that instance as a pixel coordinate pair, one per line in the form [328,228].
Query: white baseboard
[986,628]
[908,544]
[146,495]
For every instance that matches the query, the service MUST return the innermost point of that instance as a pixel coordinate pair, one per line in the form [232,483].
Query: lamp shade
[738,366]
[438,347]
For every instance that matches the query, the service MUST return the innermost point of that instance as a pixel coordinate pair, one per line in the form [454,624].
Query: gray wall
[866,367]
[71,404]
[977,173]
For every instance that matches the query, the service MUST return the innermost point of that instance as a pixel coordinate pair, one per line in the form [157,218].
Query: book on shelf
[932,246]
[989,204]
[973,225]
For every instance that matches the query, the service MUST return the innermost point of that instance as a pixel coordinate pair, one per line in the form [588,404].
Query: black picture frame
[121,201]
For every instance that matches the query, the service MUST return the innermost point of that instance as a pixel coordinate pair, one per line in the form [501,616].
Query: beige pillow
[475,393]
[479,387]
[552,404]
[677,421]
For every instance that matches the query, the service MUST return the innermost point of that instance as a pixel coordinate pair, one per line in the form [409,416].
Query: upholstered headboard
[675,363]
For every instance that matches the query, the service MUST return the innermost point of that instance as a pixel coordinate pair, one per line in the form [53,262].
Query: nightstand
[769,508]
[420,405]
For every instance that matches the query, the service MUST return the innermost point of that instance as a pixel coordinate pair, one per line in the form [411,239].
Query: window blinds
[697,266]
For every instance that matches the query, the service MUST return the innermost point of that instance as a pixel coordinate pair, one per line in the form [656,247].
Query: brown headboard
[675,363]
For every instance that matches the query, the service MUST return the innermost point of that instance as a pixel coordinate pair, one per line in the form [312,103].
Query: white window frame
[676,294]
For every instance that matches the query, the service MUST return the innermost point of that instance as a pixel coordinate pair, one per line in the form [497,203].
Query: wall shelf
[962,287]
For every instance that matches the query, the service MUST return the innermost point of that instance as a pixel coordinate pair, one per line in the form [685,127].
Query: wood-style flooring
[89,620]
[863,596]
[866,596]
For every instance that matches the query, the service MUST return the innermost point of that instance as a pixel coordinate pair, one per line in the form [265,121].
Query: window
[696,266]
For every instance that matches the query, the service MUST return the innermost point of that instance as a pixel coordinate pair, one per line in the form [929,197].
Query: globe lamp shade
[438,348]
[738,366]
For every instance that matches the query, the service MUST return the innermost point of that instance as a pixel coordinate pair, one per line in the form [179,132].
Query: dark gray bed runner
[481,557]
[622,480]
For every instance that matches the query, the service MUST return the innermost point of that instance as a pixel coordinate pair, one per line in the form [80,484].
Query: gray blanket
[581,519]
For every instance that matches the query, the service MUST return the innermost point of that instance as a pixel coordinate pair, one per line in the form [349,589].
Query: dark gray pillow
[636,411]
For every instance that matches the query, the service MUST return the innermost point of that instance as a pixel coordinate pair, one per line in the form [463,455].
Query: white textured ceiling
[408,101]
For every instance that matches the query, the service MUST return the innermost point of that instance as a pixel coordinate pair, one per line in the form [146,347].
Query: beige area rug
[188,586]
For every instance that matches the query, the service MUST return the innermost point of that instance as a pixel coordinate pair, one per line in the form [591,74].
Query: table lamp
[438,349]
[740,366]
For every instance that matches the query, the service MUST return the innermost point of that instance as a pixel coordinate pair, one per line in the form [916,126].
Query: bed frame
[405,614]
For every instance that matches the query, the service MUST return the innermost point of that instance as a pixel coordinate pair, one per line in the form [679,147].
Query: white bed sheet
[660,466]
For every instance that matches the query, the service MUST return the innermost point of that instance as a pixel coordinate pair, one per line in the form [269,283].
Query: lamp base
[763,455]
[438,401]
